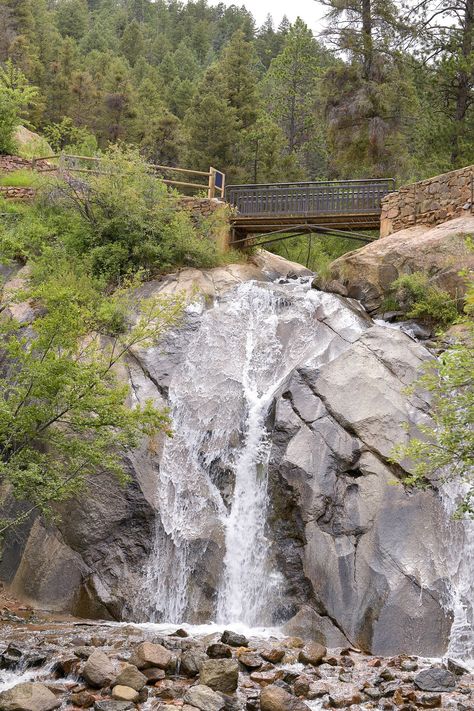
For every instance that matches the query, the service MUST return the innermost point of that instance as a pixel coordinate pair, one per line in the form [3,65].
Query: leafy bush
[445,450]
[129,220]
[418,298]
[65,136]
[64,416]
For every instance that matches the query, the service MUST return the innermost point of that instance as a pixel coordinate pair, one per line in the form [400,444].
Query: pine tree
[291,85]
[370,99]
[238,69]
[132,44]
[446,33]
[72,18]
[266,156]
[268,43]
[212,126]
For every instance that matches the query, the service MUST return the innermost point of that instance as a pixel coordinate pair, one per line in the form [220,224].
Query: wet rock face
[359,556]
[358,552]
[90,564]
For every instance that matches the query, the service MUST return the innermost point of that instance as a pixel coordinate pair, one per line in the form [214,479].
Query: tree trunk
[367,42]
[464,80]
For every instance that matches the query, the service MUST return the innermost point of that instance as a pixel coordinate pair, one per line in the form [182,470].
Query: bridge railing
[214,184]
[312,198]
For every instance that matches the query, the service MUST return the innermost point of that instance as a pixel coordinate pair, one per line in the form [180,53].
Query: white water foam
[460,567]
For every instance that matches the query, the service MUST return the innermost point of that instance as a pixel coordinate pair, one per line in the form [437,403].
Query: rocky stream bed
[47,663]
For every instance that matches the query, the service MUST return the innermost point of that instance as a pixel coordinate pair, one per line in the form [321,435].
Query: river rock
[148,654]
[124,693]
[203,698]
[220,674]
[130,676]
[191,662]
[346,696]
[274,698]
[113,705]
[28,696]
[98,670]
[234,639]
[435,679]
[83,699]
[455,666]
[219,651]
[272,654]
[250,660]
[312,653]
[11,657]
[153,674]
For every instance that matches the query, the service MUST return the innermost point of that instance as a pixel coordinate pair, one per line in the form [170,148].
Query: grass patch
[22,178]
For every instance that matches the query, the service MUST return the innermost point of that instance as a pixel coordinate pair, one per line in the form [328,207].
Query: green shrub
[130,221]
[418,298]
[65,136]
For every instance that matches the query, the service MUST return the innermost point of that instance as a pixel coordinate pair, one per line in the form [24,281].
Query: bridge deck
[345,205]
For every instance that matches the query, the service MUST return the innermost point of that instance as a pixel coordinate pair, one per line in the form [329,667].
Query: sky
[309,10]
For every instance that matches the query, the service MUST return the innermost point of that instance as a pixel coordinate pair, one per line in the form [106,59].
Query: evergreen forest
[383,89]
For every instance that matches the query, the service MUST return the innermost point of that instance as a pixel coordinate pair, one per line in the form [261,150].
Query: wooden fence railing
[214,185]
[306,199]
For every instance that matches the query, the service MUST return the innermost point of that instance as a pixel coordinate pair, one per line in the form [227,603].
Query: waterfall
[460,565]
[211,539]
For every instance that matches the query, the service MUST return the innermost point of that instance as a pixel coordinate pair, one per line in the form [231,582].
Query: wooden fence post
[211,193]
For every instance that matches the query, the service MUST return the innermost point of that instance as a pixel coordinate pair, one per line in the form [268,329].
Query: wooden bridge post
[211,193]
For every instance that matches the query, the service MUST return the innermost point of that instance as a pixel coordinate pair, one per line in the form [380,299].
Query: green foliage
[291,86]
[119,220]
[64,416]
[65,136]
[419,298]
[445,450]
[16,95]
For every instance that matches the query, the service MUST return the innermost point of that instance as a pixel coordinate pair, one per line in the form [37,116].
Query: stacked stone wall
[17,193]
[204,208]
[428,202]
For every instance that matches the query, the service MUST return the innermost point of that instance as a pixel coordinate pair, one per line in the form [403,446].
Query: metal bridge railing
[328,197]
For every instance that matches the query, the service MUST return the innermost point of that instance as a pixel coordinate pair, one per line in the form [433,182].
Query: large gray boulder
[362,559]
[87,564]
[28,696]
[361,549]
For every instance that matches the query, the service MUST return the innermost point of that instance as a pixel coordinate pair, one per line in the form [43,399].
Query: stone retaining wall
[428,202]
[204,208]
[17,193]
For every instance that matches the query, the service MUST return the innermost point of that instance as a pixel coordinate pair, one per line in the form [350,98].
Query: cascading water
[212,557]
[460,564]
[244,350]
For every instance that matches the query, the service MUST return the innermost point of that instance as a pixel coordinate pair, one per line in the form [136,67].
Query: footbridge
[276,211]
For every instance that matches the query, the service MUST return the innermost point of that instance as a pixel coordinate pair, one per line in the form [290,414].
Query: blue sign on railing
[219,179]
